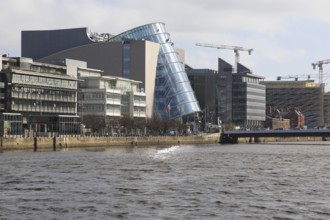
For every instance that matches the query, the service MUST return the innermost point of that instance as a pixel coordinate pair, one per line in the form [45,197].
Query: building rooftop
[291,84]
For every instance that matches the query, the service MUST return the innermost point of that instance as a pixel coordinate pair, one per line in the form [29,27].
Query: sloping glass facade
[174,97]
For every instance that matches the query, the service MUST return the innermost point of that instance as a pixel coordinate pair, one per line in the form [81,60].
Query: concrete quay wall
[38,144]
[61,143]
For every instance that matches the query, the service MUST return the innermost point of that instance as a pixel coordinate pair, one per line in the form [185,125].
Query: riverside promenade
[37,144]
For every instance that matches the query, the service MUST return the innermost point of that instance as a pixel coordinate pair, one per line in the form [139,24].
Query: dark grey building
[38,44]
[242,99]
[326,102]
[204,84]
[236,98]
[224,88]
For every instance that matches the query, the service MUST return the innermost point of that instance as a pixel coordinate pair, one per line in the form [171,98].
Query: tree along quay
[38,144]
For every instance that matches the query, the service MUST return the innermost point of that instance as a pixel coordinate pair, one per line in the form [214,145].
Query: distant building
[241,97]
[37,98]
[144,53]
[204,83]
[305,95]
[236,98]
[279,124]
[326,102]
[284,118]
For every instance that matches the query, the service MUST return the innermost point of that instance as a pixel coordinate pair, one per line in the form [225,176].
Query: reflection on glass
[172,85]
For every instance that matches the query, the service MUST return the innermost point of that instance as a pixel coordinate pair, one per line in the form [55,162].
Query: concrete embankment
[38,144]
[93,143]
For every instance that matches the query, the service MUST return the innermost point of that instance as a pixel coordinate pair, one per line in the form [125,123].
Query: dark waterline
[245,181]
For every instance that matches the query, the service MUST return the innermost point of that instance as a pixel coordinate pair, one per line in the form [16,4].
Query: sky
[286,36]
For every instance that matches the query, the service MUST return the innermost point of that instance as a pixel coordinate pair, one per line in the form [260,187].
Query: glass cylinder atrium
[174,96]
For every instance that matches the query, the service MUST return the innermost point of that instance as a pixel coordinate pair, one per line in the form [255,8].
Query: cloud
[282,32]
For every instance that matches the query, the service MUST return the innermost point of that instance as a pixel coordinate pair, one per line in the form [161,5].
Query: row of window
[22,108]
[139,98]
[31,104]
[93,96]
[39,93]
[90,108]
[114,96]
[251,80]
[44,81]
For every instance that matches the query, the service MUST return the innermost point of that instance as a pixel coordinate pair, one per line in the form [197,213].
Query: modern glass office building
[241,97]
[174,97]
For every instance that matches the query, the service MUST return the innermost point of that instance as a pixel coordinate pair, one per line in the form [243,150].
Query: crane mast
[236,50]
[320,65]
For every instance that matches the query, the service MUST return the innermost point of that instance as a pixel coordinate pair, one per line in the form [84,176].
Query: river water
[244,181]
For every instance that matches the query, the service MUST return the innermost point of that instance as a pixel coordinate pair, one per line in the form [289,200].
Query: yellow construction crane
[320,65]
[236,50]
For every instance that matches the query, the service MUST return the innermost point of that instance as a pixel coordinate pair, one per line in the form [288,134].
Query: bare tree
[96,123]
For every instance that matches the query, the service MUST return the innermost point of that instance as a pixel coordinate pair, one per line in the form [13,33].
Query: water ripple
[277,181]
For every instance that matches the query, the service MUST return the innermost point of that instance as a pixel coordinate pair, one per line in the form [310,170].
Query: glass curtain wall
[126,60]
[174,96]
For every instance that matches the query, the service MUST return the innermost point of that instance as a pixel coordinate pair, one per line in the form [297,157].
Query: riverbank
[39,144]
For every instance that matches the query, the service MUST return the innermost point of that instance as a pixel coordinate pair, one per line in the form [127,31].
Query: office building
[204,84]
[37,98]
[241,97]
[107,99]
[236,98]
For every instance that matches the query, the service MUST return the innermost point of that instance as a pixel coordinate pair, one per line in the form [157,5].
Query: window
[42,80]
[25,78]
[16,78]
[65,83]
[126,60]
[33,79]
[58,82]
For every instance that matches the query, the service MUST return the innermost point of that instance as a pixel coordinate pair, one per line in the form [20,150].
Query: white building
[37,98]
[109,97]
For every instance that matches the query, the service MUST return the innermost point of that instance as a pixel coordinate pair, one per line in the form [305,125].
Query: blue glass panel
[172,84]
[126,60]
